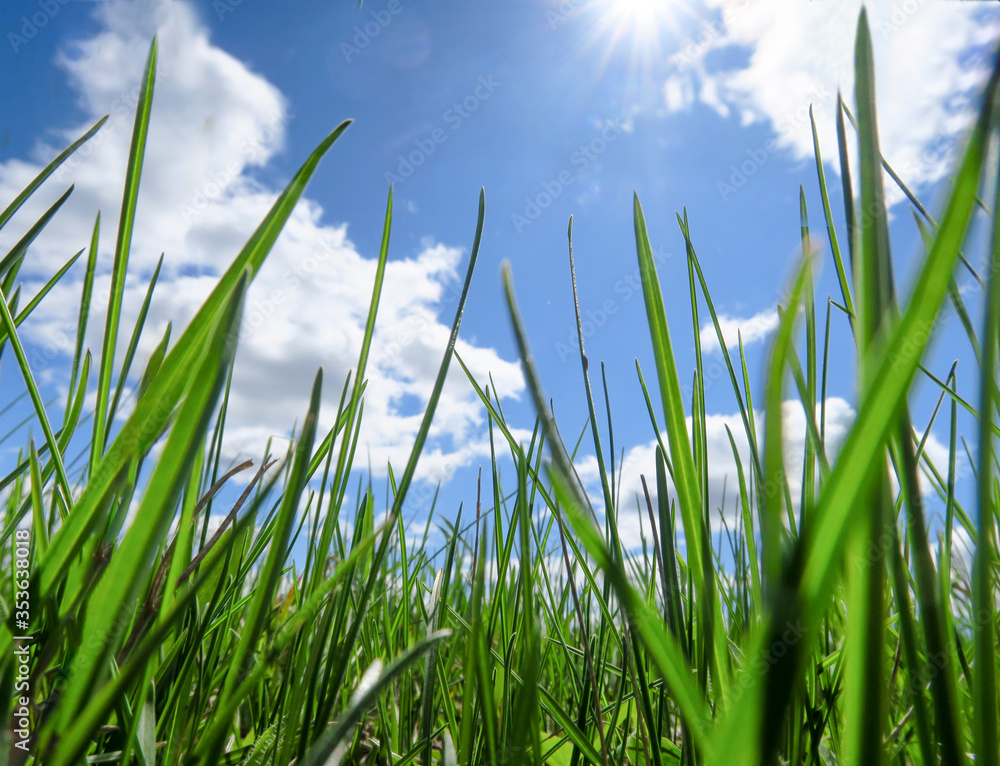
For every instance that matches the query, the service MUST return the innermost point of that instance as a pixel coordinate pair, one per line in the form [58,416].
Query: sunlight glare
[635,24]
[638,13]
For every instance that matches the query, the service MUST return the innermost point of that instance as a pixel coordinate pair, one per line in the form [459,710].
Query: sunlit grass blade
[133,344]
[126,223]
[838,261]
[609,505]
[48,170]
[865,701]
[11,263]
[724,350]
[85,296]
[40,295]
[354,402]
[751,731]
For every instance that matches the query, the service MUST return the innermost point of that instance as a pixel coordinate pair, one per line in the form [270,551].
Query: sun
[640,14]
[636,25]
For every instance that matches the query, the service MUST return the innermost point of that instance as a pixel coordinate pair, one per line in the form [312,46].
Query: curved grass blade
[374,682]
[33,303]
[48,170]
[12,261]
[831,230]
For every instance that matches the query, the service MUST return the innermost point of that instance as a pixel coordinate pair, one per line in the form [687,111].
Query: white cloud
[931,59]
[213,121]
[723,480]
[752,329]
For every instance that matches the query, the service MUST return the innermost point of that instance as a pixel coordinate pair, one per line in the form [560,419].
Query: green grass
[832,628]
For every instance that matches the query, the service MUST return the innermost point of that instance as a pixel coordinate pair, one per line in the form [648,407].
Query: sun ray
[639,33]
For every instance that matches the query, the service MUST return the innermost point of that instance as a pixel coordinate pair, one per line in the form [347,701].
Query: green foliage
[828,632]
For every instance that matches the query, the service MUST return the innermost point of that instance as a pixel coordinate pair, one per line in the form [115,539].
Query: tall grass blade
[126,223]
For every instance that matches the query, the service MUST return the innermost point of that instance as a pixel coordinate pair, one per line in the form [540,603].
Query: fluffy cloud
[767,61]
[751,329]
[214,121]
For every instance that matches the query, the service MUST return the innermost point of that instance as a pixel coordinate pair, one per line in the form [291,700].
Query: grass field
[834,625]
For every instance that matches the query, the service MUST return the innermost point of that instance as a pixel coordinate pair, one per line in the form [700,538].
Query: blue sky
[555,108]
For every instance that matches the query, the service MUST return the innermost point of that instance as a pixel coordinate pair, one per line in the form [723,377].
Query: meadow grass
[831,627]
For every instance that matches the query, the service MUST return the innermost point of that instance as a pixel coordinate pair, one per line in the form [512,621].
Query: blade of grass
[48,170]
[986,707]
[126,223]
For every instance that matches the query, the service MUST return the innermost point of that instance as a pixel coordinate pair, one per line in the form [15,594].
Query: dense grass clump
[838,630]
